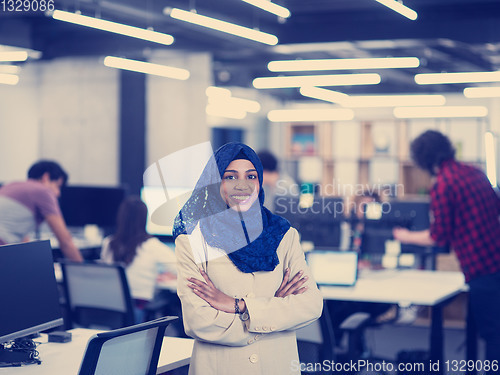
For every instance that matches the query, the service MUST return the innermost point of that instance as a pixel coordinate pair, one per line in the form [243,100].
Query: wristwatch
[244,316]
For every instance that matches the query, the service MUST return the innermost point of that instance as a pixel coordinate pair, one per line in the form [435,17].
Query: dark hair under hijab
[430,149]
[130,230]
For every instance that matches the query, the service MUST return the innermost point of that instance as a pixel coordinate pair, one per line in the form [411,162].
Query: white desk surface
[65,358]
[402,287]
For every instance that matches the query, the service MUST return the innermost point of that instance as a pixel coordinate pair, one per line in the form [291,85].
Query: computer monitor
[413,215]
[98,205]
[29,293]
[156,197]
[317,219]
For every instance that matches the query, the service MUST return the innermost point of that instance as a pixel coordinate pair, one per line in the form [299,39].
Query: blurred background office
[327,88]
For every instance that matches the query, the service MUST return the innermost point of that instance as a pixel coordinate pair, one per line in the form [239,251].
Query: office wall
[176,109]
[19,125]
[65,110]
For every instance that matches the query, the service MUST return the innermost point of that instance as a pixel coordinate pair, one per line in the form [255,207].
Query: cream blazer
[264,344]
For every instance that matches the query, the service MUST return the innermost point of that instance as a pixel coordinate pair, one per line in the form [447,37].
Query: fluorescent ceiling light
[9,69]
[482,92]
[219,96]
[371,101]
[145,67]
[339,64]
[218,92]
[436,112]
[293,115]
[114,27]
[491,168]
[245,104]
[14,56]
[9,79]
[270,7]
[324,94]
[317,80]
[223,26]
[399,8]
[225,111]
[438,78]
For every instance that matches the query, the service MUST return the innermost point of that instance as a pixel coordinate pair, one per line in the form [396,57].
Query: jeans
[484,292]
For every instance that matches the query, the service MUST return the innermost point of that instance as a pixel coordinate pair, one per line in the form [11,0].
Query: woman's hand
[213,296]
[293,286]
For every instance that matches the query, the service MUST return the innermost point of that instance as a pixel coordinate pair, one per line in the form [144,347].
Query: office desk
[405,287]
[65,358]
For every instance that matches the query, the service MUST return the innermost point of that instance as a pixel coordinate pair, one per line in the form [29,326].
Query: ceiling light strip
[372,101]
[491,168]
[9,79]
[399,8]
[14,56]
[343,64]
[465,77]
[440,112]
[317,80]
[299,115]
[270,7]
[113,27]
[9,69]
[226,27]
[482,92]
[147,68]
[324,94]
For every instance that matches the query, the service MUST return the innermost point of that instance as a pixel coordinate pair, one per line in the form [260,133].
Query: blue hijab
[250,238]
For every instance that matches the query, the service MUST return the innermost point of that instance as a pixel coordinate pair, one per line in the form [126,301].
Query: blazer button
[264,328]
[250,341]
[257,328]
[254,358]
[273,328]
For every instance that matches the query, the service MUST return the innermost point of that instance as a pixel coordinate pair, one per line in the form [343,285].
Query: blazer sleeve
[269,314]
[202,321]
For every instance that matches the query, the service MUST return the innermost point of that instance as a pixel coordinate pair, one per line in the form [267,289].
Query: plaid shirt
[466,216]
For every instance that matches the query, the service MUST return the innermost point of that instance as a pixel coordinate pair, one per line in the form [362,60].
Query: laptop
[333,268]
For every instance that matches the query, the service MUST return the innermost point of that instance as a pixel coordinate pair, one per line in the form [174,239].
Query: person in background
[466,216]
[143,255]
[242,277]
[24,205]
[273,182]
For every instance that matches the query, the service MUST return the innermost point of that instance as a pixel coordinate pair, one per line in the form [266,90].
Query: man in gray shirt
[25,205]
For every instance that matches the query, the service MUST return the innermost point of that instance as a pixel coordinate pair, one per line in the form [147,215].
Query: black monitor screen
[29,294]
[413,215]
[82,205]
[317,221]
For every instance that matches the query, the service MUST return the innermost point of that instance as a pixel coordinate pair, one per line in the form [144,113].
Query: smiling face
[240,185]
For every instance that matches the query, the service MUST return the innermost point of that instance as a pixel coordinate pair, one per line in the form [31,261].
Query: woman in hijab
[242,277]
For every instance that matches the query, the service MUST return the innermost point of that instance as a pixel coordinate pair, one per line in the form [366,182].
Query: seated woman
[142,254]
[242,277]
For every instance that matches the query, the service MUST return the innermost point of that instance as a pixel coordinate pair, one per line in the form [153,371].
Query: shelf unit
[379,156]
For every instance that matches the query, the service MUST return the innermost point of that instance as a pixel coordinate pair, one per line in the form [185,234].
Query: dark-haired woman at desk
[242,276]
[142,254]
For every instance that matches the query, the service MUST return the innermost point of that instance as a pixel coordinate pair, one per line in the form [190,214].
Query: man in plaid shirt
[466,213]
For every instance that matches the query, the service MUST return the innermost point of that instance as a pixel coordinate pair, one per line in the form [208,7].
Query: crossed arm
[222,302]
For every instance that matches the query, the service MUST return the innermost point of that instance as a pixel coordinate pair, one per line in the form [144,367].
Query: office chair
[127,351]
[98,296]
[317,342]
